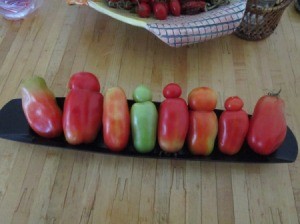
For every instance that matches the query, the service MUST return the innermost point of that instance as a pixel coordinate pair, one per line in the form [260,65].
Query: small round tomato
[172,90]
[143,10]
[202,98]
[234,103]
[142,94]
[160,11]
[175,7]
[84,80]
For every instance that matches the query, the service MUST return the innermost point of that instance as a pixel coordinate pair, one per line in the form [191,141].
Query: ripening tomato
[203,122]
[203,129]
[233,126]
[40,108]
[202,98]
[173,120]
[116,119]
[268,127]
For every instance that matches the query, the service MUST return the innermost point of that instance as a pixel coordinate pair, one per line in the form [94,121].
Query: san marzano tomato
[203,122]
[40,108]
[233,126]
[173,120]
[116,119]
[268,127]
[82,115]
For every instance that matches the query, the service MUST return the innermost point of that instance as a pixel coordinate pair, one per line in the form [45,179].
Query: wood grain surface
[47,185]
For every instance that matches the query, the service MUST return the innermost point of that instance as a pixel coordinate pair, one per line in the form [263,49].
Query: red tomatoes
[268,127]
[173,120]
[233,126]
[82,114]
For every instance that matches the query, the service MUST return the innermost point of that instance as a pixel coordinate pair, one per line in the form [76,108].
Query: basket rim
[251,7]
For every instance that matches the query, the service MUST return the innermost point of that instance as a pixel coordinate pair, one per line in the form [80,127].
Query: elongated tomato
[173,120]
[40,108]
[116,119]
[233,126]
[143,115]
[82,116]
[268,127]
[203,129]
[203,122]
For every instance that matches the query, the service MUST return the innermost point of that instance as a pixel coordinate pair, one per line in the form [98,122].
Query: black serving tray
[14,126]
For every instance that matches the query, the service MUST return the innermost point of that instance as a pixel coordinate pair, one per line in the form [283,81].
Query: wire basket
[261,18]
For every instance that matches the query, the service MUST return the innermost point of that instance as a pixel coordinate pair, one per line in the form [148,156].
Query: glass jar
[18,9]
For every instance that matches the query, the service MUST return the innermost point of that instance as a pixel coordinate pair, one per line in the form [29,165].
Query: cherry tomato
[233,126]
[160,11]
[143,10]
[193,7]
[175,7]
[173,120]
[172,90]
[268,127]
[234,103]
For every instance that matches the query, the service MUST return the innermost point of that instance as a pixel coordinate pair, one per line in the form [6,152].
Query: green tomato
[142,94]
[144,125]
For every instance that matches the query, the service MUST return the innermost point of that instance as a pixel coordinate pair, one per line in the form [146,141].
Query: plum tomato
[268,126]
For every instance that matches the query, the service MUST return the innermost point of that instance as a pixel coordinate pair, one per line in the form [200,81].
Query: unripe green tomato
[144,117]
[142,94]
[144,125]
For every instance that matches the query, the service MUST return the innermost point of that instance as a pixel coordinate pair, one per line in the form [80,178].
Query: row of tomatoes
[86,111]
[160,9]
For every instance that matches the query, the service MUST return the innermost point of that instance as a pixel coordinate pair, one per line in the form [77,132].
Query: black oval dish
[14,126]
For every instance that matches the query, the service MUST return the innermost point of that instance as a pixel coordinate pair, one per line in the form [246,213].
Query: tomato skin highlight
[116,119]
[173,120]
[268,126]
[40,108]
[203,122]
[83,108]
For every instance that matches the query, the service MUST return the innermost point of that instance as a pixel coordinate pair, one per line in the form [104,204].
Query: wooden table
[48,185]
